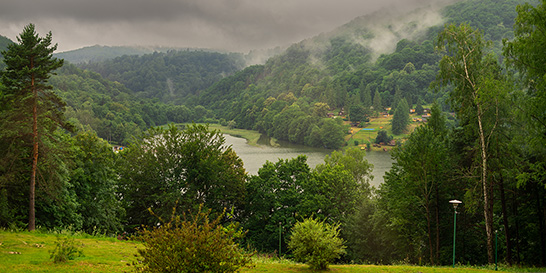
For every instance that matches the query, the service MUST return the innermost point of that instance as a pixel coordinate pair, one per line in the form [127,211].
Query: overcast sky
[233,25]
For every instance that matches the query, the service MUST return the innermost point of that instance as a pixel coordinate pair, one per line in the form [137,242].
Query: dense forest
[485,65]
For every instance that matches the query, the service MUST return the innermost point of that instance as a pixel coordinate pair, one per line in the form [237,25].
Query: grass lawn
[379,123]
[29,252]
[252,137]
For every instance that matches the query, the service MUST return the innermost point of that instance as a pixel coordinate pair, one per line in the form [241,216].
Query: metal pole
[454,232]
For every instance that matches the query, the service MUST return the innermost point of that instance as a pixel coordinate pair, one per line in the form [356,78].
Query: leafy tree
[354,160]
[166,167]
[358,113]
[30,109]
[274,198]
[316,243]
[320,109]
[94,178]
[382,136]
[423,159]
[479,87]
[526,53]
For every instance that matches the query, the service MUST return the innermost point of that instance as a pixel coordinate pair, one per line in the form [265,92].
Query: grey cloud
[236,25]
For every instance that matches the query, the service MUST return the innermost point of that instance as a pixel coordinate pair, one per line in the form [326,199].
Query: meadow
[23,251]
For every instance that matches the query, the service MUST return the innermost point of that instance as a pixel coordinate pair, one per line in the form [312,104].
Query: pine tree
[377,104]
[366,97]
[31,111]
[400,119]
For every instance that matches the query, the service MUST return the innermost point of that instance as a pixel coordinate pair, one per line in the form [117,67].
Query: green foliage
[65,249]
[526,53]
[275,196]
[191,244]
[382,136]
[494,17]
[94,179]
[170,76]
[31,113]
[169,166]
[401,119]
[316,243]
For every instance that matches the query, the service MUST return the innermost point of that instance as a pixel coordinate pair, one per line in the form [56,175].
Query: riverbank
[252,137]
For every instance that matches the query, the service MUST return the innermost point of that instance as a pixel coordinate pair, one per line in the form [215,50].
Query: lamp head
[455,203]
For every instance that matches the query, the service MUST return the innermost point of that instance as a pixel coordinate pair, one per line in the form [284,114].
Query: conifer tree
[400,119]
[31,112]
[377,104]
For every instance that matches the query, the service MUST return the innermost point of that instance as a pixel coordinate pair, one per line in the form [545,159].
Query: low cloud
[233,25]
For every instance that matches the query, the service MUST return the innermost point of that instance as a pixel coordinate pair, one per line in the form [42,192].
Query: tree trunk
[32,192]
[487,199]
[429,234]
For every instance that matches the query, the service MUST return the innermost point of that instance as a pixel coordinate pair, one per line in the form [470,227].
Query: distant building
[117,148]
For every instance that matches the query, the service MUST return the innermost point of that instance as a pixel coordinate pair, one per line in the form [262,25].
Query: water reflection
[254,157]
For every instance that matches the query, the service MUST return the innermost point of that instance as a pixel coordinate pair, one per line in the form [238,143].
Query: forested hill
[373,60]
[98,53]
[344,69]
[4,42]
[170,76]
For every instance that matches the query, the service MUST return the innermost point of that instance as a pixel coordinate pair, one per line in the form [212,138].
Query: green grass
[251,137]
[380,123]
[29,252]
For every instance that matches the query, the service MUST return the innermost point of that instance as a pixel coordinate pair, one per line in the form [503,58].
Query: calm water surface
[254,157]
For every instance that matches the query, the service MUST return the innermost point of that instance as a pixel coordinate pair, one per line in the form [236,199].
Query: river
[254,157]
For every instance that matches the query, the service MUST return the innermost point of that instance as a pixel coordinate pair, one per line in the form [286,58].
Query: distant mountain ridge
[99,53]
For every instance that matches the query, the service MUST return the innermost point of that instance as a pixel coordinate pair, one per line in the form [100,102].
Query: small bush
[316,243]
[194,245]
[65,250]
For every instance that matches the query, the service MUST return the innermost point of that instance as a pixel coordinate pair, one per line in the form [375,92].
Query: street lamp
[455,203]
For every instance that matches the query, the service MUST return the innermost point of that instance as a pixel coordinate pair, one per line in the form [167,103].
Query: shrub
[65,249]
[382,137]
[316,243]
[194,245]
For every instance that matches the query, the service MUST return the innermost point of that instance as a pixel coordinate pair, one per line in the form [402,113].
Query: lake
[254,157]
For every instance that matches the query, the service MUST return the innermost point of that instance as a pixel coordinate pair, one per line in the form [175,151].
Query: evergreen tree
[31,112]
[377,105]
[400,120]
[367,97]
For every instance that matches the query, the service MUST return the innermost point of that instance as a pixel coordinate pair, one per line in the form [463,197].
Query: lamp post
[455,203]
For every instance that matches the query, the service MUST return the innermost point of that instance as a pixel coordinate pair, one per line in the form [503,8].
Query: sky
[230,25]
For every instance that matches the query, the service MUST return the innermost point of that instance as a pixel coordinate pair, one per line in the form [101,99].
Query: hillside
[4,42]
[349,68]
[99,53]
[381,58]
[170,76]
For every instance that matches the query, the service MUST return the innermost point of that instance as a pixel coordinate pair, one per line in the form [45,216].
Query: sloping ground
[29,252]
